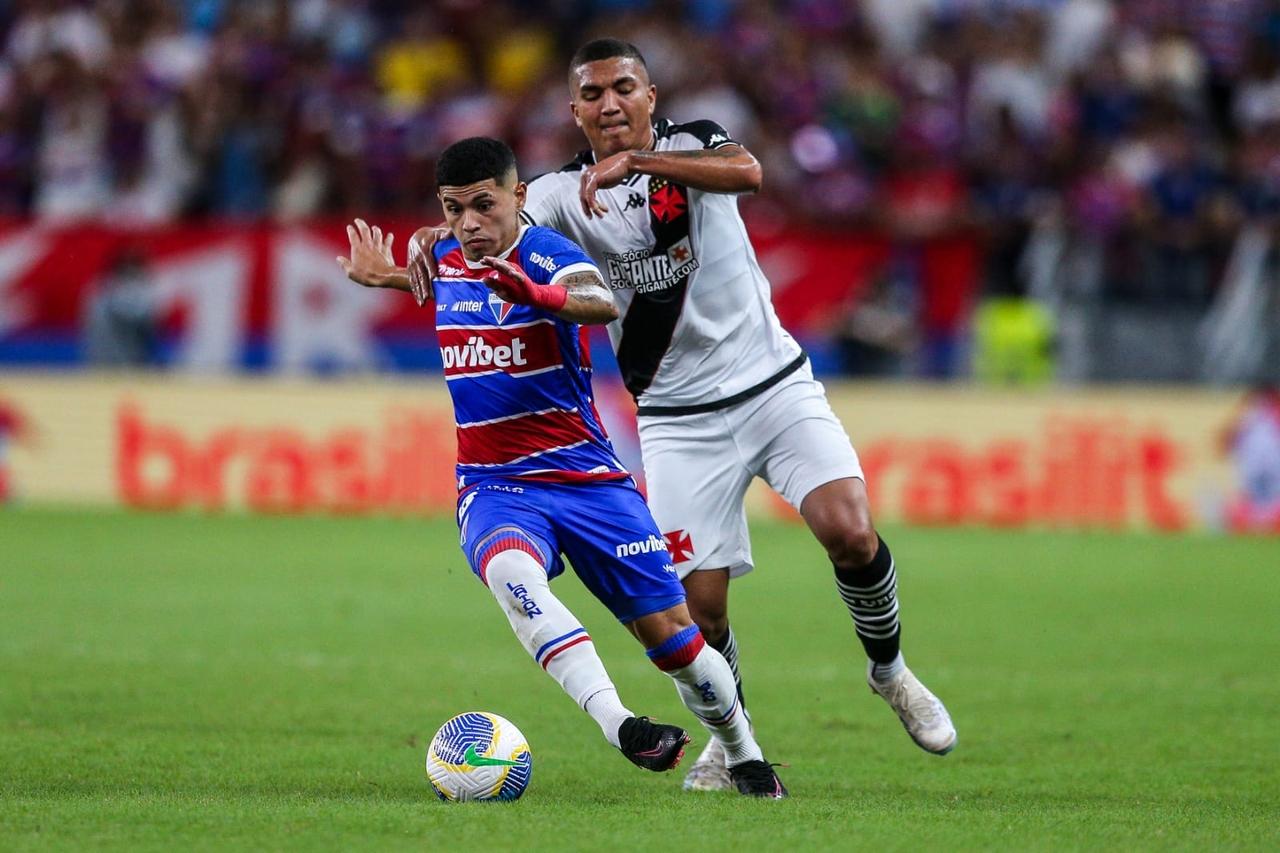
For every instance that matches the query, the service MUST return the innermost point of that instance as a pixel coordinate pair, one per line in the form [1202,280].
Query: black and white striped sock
[728,648]
[871,594]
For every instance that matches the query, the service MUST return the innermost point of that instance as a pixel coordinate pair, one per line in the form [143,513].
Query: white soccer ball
[479,756]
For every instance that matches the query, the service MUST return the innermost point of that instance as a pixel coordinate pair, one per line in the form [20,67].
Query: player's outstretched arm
[727,169]
[578,297]
[371,263]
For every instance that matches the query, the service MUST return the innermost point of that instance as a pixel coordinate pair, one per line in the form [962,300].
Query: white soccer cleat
[709,772]
[923,715]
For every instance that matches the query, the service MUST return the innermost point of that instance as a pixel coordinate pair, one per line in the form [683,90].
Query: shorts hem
[737,568]
[853,474]
[639,608]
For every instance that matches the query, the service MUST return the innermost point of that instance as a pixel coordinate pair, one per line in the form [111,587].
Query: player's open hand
[512,285]
[508,281]
[422,261]
[608,173]
[370,263]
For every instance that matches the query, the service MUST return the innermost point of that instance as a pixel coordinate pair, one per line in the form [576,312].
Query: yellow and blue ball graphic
[479,756]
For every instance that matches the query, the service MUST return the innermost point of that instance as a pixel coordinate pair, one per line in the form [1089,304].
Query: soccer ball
[479,756]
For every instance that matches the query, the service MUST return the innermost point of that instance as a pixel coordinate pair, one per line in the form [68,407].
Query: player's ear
[521,192]
[652,96]
[573,108]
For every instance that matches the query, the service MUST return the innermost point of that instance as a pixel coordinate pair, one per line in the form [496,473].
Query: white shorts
[698,467]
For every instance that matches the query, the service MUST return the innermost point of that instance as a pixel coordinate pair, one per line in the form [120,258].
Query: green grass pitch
[177,682]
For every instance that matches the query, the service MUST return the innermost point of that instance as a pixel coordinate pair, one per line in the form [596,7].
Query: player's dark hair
[474,159]
[594,51]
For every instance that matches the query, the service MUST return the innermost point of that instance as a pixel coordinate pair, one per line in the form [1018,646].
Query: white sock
[883,672]
[555,638]
[707,688]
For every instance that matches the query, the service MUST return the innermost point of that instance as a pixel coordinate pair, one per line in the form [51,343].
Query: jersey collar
[476,265]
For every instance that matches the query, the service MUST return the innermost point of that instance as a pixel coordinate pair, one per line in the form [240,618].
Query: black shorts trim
[741,396]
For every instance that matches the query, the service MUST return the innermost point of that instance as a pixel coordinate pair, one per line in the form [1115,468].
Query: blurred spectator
[121,326]
[1127,143]
[72,172]
[879,332]
[1253,442]
[420,63]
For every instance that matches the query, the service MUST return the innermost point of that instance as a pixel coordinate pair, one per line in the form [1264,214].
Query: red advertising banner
[227,296]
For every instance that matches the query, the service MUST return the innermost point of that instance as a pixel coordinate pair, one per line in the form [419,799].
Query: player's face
[613,103]
[484,216]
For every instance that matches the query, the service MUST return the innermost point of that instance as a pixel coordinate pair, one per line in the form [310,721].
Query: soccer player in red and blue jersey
[537,477]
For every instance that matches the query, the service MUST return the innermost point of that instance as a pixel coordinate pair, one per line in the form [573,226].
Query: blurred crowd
[1147,130]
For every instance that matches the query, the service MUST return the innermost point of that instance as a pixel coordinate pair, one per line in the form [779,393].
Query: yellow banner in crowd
[932,455]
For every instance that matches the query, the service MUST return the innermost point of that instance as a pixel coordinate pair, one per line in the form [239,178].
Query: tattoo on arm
[587,287]
[725,152]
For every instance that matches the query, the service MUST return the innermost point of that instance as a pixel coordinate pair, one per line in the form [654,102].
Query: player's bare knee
[654,629]
[853,545]
[712,620]
[710,614]
[714,628]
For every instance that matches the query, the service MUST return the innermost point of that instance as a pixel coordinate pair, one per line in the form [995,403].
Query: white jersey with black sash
[697,330]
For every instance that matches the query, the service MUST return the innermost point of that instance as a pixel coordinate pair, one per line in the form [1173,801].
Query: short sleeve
[542,203]
[547,256]
[710,134]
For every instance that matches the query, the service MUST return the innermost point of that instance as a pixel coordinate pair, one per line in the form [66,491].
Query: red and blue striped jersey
[520,377]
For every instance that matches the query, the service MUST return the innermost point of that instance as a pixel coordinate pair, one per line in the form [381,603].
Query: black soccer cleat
[757,779]
[653,746]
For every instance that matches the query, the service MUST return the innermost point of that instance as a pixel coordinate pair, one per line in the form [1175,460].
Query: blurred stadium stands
[1070,188]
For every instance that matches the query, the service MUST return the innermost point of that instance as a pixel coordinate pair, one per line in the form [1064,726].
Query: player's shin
[706,686]
[871,595]
[554,637]
[727,646]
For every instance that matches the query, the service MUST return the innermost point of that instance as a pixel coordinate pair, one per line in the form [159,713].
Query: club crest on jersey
[666,200]
[680,254]
[499,307]
[679,545]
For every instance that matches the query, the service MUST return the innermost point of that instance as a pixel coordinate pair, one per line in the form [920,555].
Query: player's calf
[870,592]
[553,636]
[705,684]
[711,771]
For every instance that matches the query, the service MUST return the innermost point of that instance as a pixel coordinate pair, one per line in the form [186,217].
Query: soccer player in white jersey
[724,394]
